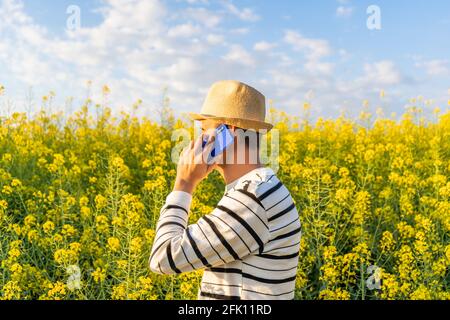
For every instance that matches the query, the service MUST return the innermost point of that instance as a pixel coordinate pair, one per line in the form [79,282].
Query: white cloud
[239,55]
[245,14]
[344,11]
[314,51]
[240,31]
[203,16]
[315,66]
[382,73]
[264,46]
[12,13]
[215,39]
[313,48]
[197,1]
[435,67]
[145,15]
[184,30]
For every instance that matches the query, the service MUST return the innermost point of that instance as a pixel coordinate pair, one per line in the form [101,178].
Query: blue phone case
[224,139]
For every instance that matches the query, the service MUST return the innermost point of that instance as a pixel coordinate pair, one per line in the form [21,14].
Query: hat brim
[238,122]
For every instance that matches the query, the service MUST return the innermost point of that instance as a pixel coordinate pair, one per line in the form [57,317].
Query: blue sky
[292,51]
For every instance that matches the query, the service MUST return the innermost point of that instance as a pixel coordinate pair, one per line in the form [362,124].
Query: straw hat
[235,103]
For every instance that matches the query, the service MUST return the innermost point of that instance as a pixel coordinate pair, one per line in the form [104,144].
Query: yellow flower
[32,236]
[362,249]
[420,244]
[106,90]
[65,256]
[422,293]
[57,291]
[68,230]
[369,155]
[84,201]
[338,294]
[387,242]
[30,220]
[150,235]
[58,160]
[48,227]
[122,264]
[114,244]
[7,190]
[11,291]
[17,229]
[75,247]
[16,268]
[440,267]
[157,184]
[101,224]
[3,205]
[119,292]
[100,202]
[311,147]
[99,275]
[447,252]
[389,286]
[344,172]
[58,238]
[85,212]
[16,183]
[136,245]
[118,221]
[59,256]
[406,231]
[329,253]
[14,253]
[361,207]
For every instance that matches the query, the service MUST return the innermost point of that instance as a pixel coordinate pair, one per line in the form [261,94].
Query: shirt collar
[263,171]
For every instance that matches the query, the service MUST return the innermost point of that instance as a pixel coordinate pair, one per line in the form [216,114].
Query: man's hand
[192,167]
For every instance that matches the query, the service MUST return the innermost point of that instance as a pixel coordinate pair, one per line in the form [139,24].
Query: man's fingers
[205,154]
[196,153]
[198,145]
[211,139]
[208,148]
[184,155]
[199,149]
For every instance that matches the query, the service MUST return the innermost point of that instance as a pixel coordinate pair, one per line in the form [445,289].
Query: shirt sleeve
[237,227]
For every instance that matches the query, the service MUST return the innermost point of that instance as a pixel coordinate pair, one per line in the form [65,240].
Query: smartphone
[224,138]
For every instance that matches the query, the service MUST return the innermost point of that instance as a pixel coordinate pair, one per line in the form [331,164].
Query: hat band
[247,124]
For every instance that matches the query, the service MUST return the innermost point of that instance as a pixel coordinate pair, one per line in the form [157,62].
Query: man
[249,243]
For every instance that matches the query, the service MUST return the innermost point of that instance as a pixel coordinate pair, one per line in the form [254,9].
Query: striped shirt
[248,245]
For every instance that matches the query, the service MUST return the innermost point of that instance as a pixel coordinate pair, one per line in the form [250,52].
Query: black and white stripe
[248,244]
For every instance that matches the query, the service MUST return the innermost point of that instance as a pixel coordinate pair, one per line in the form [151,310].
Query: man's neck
[233,172]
